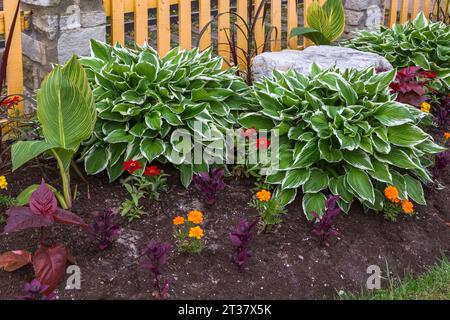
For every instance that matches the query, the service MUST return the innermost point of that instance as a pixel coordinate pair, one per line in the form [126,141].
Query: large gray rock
[324,56]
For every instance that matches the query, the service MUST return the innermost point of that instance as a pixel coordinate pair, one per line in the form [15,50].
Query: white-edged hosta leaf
[358,159]
[317,181]
[313,202]
[295,178]
[152,148]
[361,185]
[406,135]
[414,189]
[97,160]
[285,197]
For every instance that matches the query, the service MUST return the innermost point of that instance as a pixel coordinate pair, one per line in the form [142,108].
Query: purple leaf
[67,217]
[43,200]
[241,238]
[156,253]
[21,218]
[210,184]
[323,225]
[103,231]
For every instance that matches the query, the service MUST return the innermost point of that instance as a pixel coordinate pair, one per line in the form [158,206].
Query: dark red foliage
[35,290]
[323,226]
[241,239]
[441,113]
[442,160]
[412,84]
[156,253]
[210,184]
[43,211]
[103,231]
[49,265]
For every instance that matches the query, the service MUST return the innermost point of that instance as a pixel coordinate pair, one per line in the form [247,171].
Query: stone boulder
[324,56]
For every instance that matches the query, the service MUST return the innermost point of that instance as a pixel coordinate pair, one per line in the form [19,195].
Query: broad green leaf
[24,151]
[380,171]
[308,155]
[96,161]
[153,120]
[151,149]
[361,185]
[186,174]
[328,152]
[317,181]
[406,135]
[285,197]
[393,114]
[397,158]
[256,121]
[313,202]
[118,136]
[414,189]
[295,178]
[399,182]
[358,158]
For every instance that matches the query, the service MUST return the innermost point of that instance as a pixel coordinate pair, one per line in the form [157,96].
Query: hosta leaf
[406,135]
[393,114]
[151,149]
[285,197]
[380,171]
[339,187]
[97,160]
[361,185]
[153,120]
[414,189]
[378,203]
[347,92]
[295,178]
[399,182]
[328,152]
[313,202]
[256,121]
[276,178]
[308,155]
[358,159]
[398,158]
[186,174]
[317,181]
[118,136]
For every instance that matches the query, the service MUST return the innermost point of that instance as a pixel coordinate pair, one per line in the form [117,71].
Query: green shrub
[142,98]
[422,43]
[342,132]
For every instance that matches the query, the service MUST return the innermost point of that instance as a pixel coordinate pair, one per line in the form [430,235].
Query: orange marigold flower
[195,216]
[196,232]
[446,135]
[263,195]
[407,206]
[178,220]
[391,193]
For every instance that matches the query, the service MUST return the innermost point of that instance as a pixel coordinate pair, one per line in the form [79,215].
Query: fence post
[58,29]
[14,71]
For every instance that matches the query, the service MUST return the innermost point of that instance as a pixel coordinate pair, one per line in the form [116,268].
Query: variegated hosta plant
[342,133]
[418,43]
[142,99]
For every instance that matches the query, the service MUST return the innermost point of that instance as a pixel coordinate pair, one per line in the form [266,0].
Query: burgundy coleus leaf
[21,218]
[67,217]
[43,200]
[50,265]
[13,260]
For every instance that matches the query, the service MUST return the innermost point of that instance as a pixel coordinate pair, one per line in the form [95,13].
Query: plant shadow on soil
[286,264]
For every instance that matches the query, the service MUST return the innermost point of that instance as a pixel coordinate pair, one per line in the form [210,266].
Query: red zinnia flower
[11,101]
[131,166]
[249,133]
[152,171]
[262,143]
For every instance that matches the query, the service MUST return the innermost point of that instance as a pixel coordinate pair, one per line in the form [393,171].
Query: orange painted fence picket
[401,11]
[14,71]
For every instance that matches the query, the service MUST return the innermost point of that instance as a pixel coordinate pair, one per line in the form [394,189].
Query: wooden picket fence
[117,9]
[14,71]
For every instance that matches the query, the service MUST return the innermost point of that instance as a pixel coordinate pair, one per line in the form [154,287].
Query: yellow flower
[196,232]
[3,183]
[391,193]
[178,220]
[263,195]
[425,107]
[446,135]
[195,216]
[407,206]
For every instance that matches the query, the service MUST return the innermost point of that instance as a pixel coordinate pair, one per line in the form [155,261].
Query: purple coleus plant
[35,290]
[324,225]
[156,253]
[441,161]
[49,262]
[412,84]
[441,113]
[103,231]
[210,184]
[241,239]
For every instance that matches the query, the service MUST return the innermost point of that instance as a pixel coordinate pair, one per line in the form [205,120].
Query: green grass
[432,285]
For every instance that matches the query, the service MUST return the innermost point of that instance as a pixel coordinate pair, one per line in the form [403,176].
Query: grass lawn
[432,285]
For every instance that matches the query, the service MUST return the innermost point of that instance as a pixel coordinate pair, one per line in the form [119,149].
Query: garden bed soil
[288,263]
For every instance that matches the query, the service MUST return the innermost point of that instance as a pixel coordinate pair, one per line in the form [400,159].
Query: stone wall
[58,29]
[362,14]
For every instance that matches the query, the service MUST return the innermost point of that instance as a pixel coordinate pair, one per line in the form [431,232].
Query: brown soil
[287,264]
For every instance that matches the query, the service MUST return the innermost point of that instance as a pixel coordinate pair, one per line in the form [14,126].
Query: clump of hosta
[142,99]
[344,134]
[418,43]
